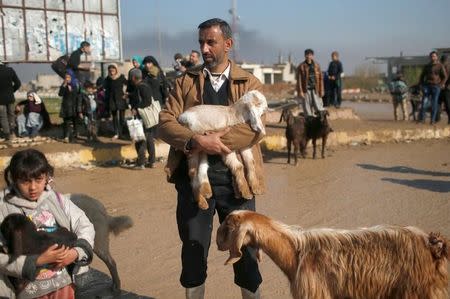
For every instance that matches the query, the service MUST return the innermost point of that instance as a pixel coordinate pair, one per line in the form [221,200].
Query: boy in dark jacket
[69,93]
[335,71]
[87,110]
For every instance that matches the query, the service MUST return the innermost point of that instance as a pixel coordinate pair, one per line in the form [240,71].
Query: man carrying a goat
[218,81]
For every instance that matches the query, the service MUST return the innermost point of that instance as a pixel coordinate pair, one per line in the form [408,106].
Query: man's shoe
[196,292]
[246,294]
[139,167]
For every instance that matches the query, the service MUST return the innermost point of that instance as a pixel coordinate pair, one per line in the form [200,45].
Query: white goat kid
[202,118]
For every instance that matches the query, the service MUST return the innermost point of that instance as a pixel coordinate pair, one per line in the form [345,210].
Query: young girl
[69,91]
[28,192]
[117,103]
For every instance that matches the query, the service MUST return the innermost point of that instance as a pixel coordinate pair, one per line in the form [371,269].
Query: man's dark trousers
[195,227]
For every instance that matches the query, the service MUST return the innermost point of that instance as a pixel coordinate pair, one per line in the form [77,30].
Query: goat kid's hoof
[203,204]
[256,189]
[247,194]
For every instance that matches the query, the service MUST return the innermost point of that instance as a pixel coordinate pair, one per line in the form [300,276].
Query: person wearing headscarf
[154,76]
[136,61]
[115,98]
[32,116]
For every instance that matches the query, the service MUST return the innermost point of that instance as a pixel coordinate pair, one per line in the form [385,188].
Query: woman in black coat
[69,91]
[154,76]
[115,99]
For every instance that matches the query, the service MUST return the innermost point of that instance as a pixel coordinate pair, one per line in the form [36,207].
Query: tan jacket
[303,75]
[188,92]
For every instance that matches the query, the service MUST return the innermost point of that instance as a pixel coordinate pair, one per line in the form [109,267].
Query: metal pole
[235,29]
[159,30]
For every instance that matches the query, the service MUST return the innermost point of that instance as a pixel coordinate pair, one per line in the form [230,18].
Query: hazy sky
[356,28]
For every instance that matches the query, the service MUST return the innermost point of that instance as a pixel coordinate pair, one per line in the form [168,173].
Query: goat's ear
[255,120]
[237,243]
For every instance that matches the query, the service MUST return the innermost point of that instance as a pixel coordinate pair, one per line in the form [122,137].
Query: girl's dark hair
[27,164]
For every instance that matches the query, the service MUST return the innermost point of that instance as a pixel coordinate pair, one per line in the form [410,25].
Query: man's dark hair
[196,52]
[136,73]
[177,56]
[432,52]
[84,44]
[224,27]
[88,84]
[309,51]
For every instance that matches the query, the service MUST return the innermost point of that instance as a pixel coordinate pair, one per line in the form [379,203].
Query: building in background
[281,72]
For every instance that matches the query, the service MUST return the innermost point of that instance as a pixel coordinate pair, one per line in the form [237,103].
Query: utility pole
[158,28]
[235,28]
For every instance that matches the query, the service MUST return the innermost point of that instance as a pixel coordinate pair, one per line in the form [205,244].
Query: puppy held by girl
[46,274]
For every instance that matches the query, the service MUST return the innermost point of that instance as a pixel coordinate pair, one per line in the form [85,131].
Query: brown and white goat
[203,118]
[376,262]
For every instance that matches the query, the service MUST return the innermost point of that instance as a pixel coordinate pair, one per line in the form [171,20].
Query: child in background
[69,93]
[28,192]
[399,91]
[33,115]
[87,110]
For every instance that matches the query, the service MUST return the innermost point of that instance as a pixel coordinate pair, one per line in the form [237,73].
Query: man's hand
[211,143]
[52,255]
[302,95]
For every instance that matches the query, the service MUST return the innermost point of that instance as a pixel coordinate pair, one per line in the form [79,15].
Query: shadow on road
[96,284]
[403,169]
[430,185]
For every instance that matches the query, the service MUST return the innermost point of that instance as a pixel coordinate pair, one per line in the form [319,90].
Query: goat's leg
[324,144]
[203,187]
[289,151]
[106,257]
[252,179]
[193,162]
[303,145]
[237,169]
[296,149]
[197,173]
[314,147]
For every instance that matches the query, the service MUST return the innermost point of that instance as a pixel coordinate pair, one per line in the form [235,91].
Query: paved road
[406,184]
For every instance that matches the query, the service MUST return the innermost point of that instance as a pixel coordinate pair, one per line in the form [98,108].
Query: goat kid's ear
[237,243]
[256,122]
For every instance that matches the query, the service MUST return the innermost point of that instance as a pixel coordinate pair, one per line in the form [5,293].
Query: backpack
[398,88]
[59,66]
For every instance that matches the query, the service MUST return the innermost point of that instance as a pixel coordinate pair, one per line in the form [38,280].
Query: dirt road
[406,184]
